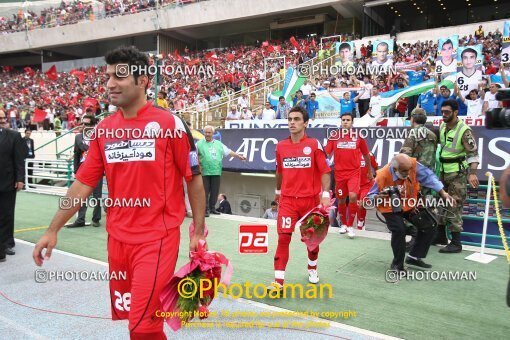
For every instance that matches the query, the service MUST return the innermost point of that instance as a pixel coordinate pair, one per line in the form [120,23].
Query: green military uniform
[422,144]
[458,150]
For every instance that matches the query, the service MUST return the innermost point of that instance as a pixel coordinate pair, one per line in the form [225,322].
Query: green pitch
[354,268]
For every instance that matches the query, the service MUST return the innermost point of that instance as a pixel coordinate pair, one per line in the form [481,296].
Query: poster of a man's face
[383,53]
[469,59]
[505,53]
[446,61]
[344,52]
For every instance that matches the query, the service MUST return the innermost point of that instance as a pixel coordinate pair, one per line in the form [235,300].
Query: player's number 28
[123,301]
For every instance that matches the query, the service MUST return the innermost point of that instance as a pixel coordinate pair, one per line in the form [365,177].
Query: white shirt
[234,115]
[375,105]
[368,90]
[202,105]
[474,107]
[388,62]
[306,89]
[246,115]
[268,114]
[242,102]
[491,100]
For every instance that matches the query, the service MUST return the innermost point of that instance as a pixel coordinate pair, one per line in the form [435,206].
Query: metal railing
[48,176]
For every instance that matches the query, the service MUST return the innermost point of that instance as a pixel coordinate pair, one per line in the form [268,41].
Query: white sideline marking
[249,302]
[22,329]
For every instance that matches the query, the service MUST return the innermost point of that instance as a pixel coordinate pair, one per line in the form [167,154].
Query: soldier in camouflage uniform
[421,144]
[458,162]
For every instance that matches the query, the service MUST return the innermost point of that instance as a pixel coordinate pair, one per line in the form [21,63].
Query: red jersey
[150,167]
[301,166]
[347,151]
[364,170]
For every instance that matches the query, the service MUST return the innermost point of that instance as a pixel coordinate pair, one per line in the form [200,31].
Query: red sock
[353,209]
[146,336]
[362,214]
[342,211]
[312,258]
[281,257]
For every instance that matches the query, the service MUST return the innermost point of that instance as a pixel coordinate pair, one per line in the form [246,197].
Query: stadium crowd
[71,12]
[26,93]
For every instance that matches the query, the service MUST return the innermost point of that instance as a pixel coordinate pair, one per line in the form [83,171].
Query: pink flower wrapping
[203,264]
[314,226]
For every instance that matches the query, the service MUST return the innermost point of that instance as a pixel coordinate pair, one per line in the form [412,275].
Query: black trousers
[96,214]
[363,106]
[30,172]
[212,190]
[395,223]
[7,204]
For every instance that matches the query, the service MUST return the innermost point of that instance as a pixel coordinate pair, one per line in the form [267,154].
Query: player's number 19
[286,222]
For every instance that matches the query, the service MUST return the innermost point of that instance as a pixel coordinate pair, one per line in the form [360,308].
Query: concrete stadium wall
[197,14]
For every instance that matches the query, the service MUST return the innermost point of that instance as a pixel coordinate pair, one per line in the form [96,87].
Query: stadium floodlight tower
[265,72]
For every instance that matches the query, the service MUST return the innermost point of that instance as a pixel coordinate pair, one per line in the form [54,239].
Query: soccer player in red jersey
[347,147]
[364,187]
[143,241]
[302,182]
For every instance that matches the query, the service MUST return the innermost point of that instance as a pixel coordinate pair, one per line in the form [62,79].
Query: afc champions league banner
[382,54]
[469,67]
[447,48]
[344,53]
[258,146]
[505,54]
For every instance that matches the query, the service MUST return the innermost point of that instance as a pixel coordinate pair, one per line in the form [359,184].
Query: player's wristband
[325,194]
[277,192]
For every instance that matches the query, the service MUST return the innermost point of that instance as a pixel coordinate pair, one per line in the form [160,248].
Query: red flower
[203,312]
[317,220]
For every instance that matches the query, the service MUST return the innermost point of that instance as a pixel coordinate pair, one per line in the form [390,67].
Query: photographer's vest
[453,154]
[409,187]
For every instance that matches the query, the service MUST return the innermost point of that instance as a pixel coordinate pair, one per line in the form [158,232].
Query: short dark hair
[91,117]
[447,42]
[451,103]
[347,114]
[128,55]
[469,49]
[224,196]
[301,110]
[419,117]
[345,45]
[281,97]
[273,203]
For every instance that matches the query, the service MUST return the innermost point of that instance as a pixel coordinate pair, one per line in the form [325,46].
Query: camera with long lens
[394,195]
[499,118]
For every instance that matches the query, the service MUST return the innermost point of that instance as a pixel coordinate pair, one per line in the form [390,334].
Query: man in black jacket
[12,178]
[30,153]
[81,147]
[224,207]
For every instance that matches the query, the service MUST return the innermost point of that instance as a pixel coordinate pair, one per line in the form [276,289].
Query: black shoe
[2,257]
[215,212]
[75,225]
[206,214]
[96,224]
[9,251]
[451,248]
[455,245]
[417,263]
[402,271]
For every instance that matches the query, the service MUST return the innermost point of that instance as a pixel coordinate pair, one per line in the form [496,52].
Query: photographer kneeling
[396,193]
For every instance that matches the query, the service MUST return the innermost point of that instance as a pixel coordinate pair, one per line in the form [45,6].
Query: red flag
[178,56]
[270,49]
[51,74]
[92,70]
[193,62]
[265,44]
[28,70]
[294,42]
[39,115]
[314,44]
[307,49]
[79,74]
[7,68]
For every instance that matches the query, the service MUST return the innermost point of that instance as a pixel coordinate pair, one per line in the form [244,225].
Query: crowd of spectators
[71,12]
[23,92]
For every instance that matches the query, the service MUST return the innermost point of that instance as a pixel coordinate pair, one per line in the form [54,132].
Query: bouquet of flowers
[314,226]
[186,303]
